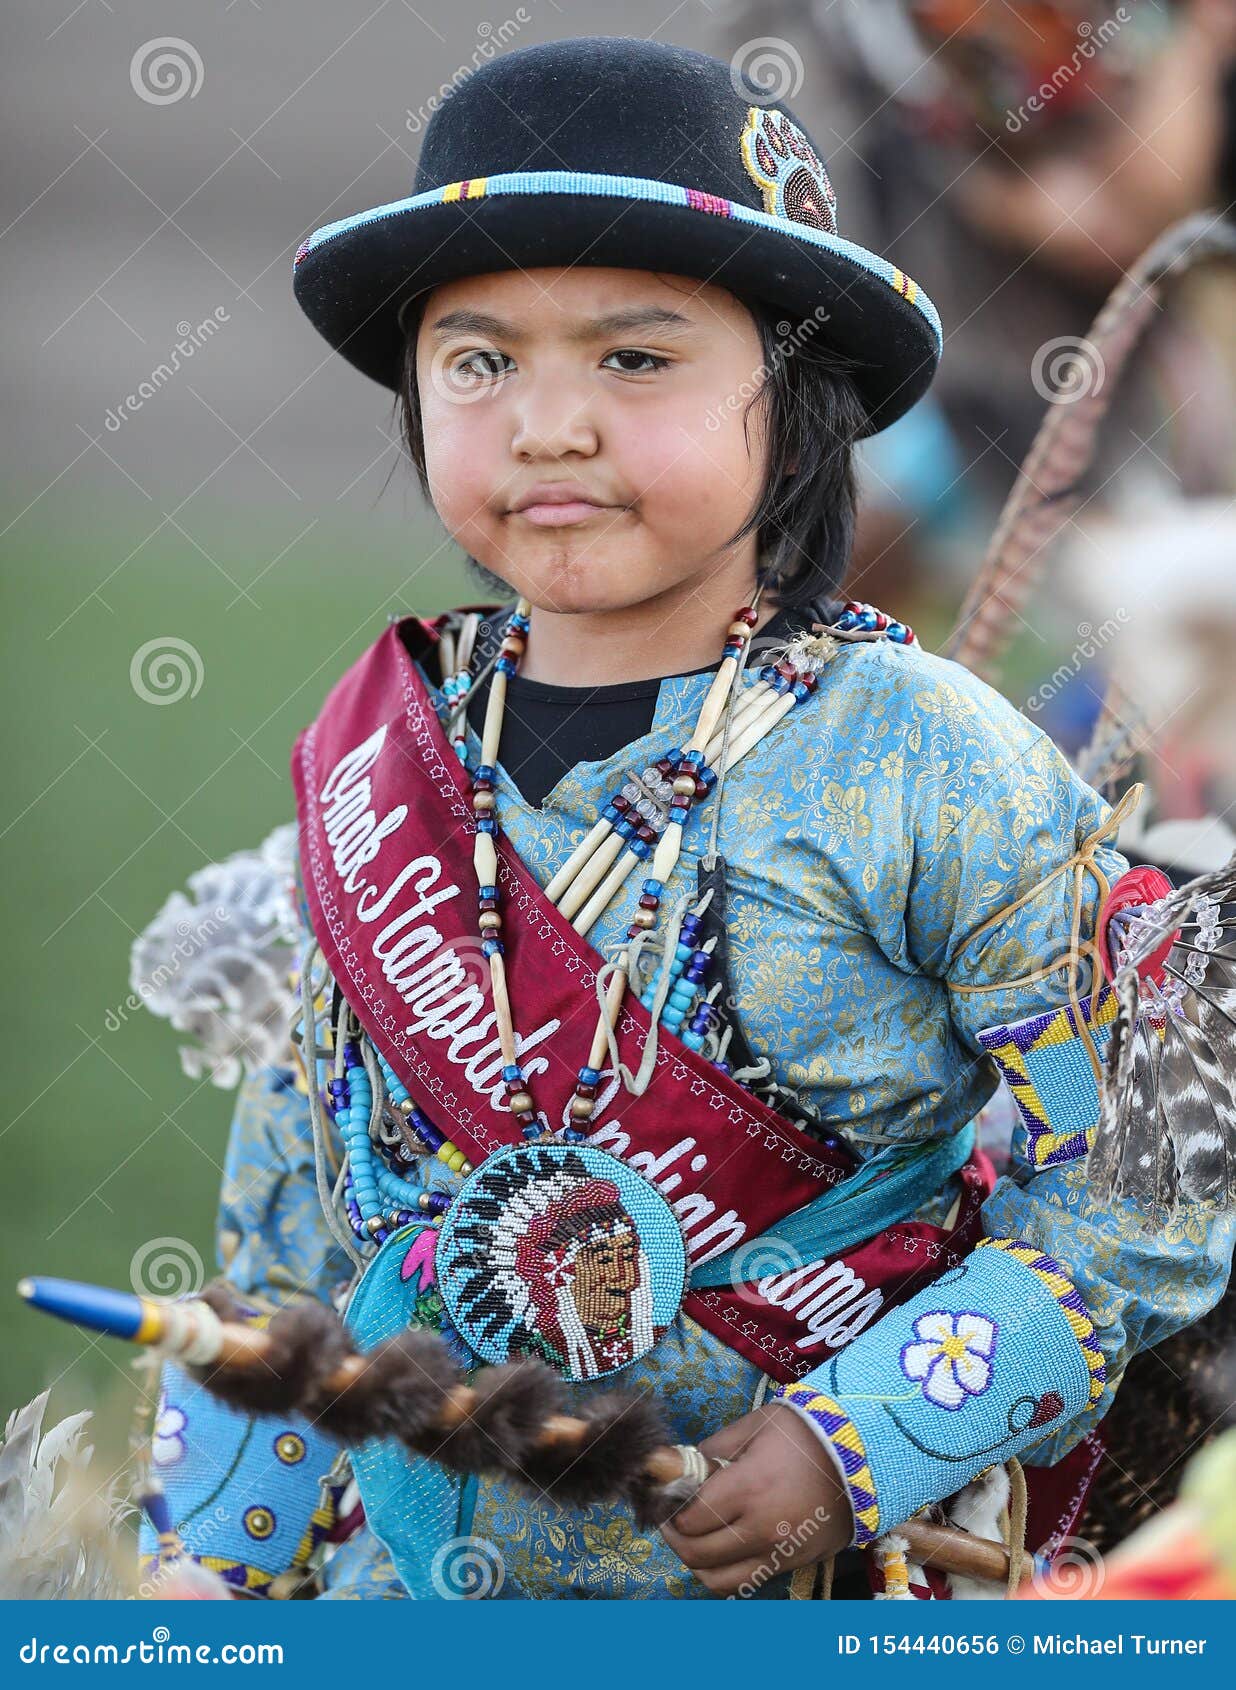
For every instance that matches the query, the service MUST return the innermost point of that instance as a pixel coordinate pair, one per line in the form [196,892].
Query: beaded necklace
[587,882]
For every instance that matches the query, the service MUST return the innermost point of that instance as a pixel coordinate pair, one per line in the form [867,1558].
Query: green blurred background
[111,803]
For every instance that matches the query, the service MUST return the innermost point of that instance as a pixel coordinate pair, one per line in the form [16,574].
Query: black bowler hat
[625,153]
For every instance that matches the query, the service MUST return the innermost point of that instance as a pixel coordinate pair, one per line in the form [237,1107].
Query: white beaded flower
[951,1354]
[217,964]
[167,1446]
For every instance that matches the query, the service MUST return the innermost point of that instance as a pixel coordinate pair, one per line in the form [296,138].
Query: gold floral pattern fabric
[867,839]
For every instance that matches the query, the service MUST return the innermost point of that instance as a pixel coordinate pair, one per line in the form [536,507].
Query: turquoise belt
[887,1188]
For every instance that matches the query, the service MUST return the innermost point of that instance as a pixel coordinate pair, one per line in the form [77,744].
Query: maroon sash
[385,833]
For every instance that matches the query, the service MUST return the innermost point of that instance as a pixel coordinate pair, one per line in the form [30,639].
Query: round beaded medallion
[563,1252]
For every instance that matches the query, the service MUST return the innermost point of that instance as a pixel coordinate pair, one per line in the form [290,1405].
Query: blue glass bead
[679,813]
[486,771]
[589,1076]
[653,888]
[487,892]
[486,824]
[531,1130]
[897,631]
[709,777]
[641,849]
[492,947]
[512,1071]
[693,1041]
[573,1135]
[846,622]
[867,620]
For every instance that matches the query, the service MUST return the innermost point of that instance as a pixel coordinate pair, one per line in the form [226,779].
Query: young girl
[683,1103]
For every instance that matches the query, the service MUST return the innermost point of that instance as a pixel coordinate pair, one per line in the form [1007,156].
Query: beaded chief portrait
[561,1252]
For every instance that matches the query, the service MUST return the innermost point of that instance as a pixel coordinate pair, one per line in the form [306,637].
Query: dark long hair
[804,517]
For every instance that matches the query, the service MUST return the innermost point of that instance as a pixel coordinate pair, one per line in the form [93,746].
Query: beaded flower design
[167,1446]
[951,1354]
[784,165]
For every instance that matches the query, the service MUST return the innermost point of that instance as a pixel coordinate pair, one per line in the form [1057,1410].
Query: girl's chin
[577,588]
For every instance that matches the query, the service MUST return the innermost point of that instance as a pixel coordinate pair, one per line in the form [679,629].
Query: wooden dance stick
[193,1334]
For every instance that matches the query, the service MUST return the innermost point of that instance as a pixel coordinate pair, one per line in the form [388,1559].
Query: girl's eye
[651,361]
[479,366]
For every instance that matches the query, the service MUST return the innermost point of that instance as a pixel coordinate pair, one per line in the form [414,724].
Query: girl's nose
[551,420]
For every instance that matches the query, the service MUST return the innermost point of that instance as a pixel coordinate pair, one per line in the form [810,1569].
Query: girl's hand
[780,1505]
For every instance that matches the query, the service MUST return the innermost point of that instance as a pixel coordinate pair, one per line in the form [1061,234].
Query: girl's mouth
[560,504]
[558,516]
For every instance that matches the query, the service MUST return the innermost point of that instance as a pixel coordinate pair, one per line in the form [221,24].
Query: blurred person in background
[1052,142]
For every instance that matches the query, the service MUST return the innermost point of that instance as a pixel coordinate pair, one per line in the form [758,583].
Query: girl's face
[620,392]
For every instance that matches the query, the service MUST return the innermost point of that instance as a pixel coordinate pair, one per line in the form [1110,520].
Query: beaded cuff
[1044,1062]
[992,1357]
[243,1491]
